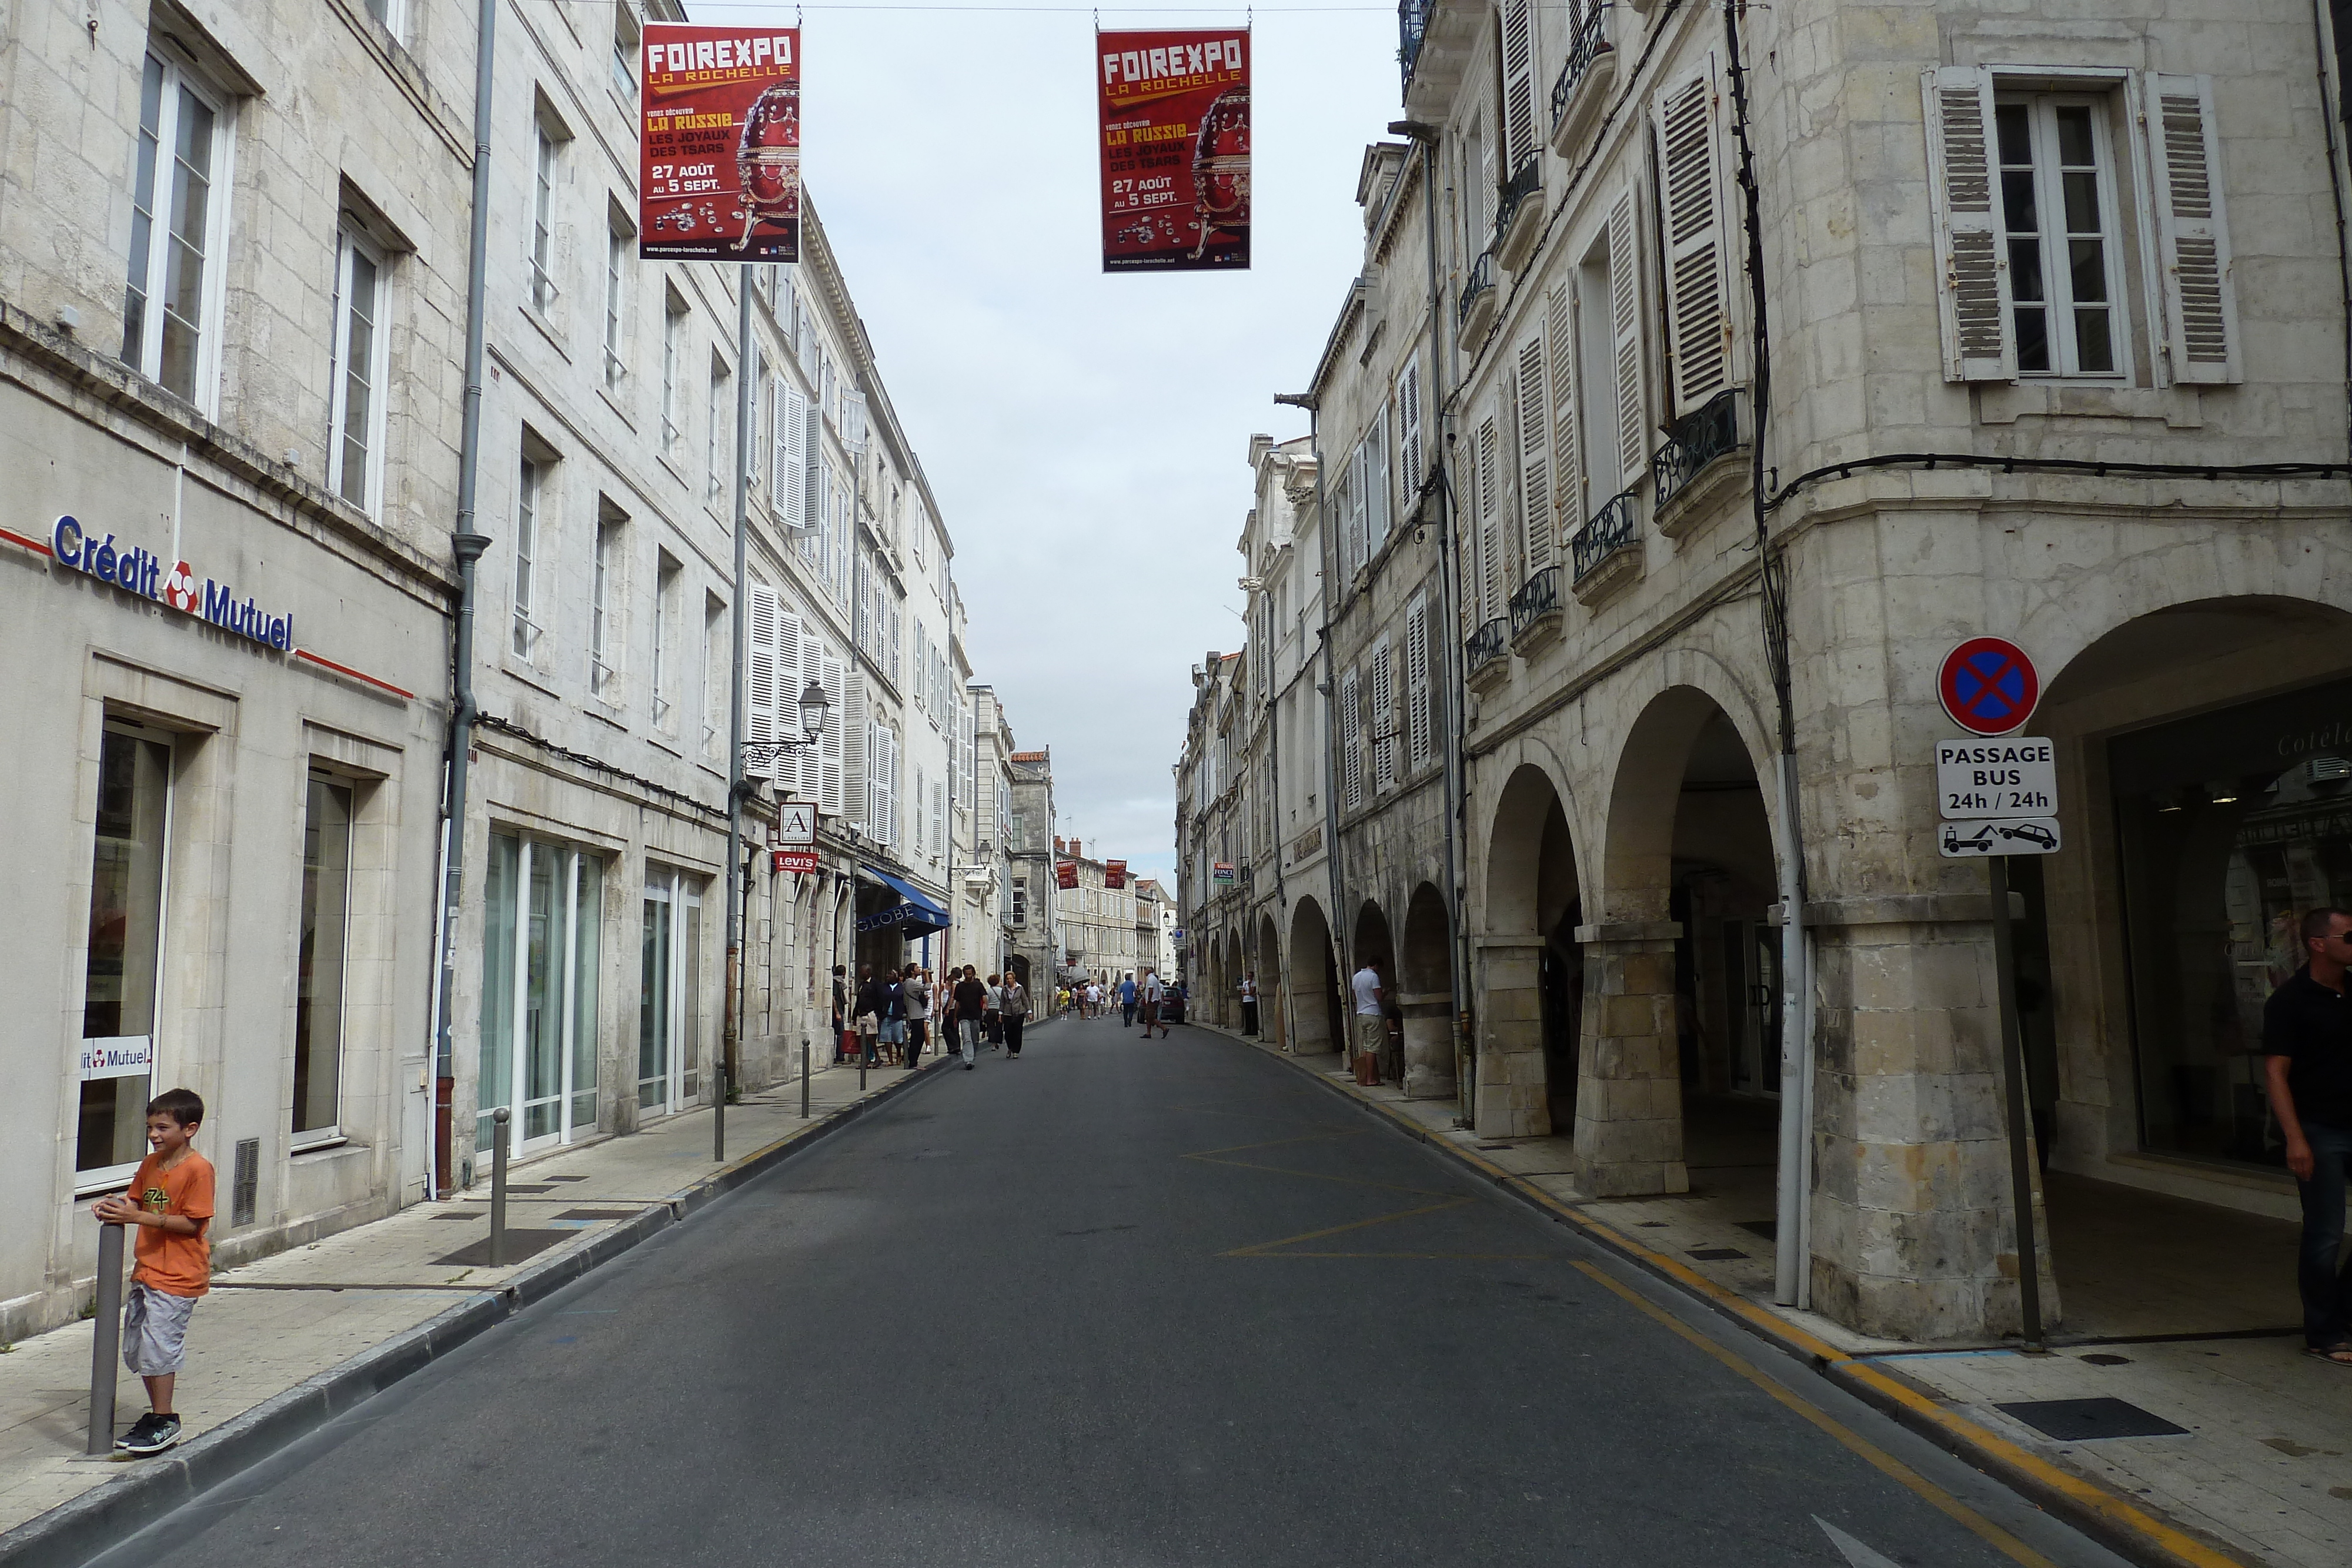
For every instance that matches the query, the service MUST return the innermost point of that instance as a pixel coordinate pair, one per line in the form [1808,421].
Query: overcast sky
[1086,436]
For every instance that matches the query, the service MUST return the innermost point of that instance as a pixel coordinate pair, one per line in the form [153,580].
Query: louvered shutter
[1490,525]
[1535,458]
[1567,482]
[1420,731]
[762,676]
[1384,718]
[809,761]
[1376,482]
[1351,744]
[1698,344]
[1625,310]
[2200,310]
[811,448]
[1518,82]
[1408,431]
[938,817]
[921,666]
[1974,302]
[837,729]
[789,486]
[856,798]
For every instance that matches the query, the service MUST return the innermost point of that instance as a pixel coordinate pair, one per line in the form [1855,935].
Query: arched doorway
[1311,991]
[1374,947]
[1271,1013]
[1229,1002]
[1425,996]
[1530,966]
[1689,969]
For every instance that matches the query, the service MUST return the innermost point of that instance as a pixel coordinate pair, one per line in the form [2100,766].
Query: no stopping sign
[1988,685]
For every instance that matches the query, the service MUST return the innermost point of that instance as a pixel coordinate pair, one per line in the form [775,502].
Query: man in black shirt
[972,1002]
[2308,1052]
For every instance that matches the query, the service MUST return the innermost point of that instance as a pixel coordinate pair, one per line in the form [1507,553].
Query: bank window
[666,574]
[177,221]
[546,153]
[669,996]
[672,352]
[542,925]
[2058,206]
[529,496]
[624,53]
[604,604]
[121,975]
[354,457]
[319,968]
[711,426]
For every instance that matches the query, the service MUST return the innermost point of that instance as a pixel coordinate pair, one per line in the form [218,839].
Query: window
[388,12]
[318,967]
[125,952]
[604,589]
[527,498]
[543,216]
[2057,209]
[354,452]
[176,227]
[669,997]
[715,664]
[624,52]
[542,917]
[673,350]
[667,573]
[618,237]
[710,429]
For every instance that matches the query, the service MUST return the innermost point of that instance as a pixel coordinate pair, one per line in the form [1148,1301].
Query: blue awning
[916,911]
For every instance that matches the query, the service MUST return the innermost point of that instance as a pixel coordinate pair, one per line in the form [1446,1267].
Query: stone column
[1306,1016]
[1912,1213]
[1628,1088]
[1428,1045]
[1511,1099]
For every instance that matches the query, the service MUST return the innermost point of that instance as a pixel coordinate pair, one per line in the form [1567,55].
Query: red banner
[1175,149]
[1065,873]
[719,156]
[1114,874]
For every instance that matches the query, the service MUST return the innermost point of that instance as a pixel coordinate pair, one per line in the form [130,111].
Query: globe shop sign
[141,572]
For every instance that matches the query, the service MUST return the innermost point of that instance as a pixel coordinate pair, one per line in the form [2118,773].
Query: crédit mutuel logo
[143,572]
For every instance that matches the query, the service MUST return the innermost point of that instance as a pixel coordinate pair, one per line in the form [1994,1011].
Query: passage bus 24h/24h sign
[1997,797]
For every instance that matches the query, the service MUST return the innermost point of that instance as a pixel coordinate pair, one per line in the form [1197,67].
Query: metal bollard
[106,1343]
[500,1119]
[804,1077]
[719,1116]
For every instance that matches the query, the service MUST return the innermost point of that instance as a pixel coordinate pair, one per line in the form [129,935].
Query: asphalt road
[1112,1303]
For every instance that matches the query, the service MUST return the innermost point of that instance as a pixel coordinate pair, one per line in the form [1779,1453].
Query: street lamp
[813,707]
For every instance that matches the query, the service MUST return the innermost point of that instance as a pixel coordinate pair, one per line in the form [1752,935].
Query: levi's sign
[2014,777]
[136,570]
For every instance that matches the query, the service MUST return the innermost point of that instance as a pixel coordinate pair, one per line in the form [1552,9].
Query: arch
[1374,947]
[1425,995]
[1228,1000]
[1529,967]
[1310,982]
[1272,1014]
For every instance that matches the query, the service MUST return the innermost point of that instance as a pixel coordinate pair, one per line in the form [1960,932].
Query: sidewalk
[2254,1468]
[339,1318]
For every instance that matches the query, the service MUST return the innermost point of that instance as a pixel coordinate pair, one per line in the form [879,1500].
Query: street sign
[1988,685]
[1997,836]
[796,824]
[796,860]
[1177,935]
[2016,777]
[1222,871]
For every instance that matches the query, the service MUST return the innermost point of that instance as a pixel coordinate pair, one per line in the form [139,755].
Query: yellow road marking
[1262,1249]
[1871,1453]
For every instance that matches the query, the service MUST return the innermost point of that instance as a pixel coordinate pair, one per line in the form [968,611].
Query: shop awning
[915,910]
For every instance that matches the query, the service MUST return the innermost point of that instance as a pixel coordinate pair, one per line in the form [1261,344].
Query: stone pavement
[2263,1466]
[270,1325]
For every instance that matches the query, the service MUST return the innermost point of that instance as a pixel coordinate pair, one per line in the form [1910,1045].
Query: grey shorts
[155,1331]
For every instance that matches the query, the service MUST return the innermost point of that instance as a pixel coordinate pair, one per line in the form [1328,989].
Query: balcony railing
[1537,597]
[1588,44]
[1413,22]
[1524,182]
[1486,645]
[1693,441]
[1482,279]
[1613,528]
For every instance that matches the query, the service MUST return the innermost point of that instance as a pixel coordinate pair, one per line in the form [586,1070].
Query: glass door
[669,1011]
[121,979]
[542,912]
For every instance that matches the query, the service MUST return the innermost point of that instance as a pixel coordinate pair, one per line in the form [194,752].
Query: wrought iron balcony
[1413,23]
[1537,597]
[1522,183]
[1482,283]
[1486,645]
[1587,44]
[1693,441]
[1616,526]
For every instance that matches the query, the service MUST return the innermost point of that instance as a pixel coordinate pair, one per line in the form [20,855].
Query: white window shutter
[1490,522]
[1518,82]
[939,817]
[1568,488]
[2201,308]
[1420,731]
[1351,740]
[1974,302]
[1535,459]
[836,730]
[763,652]
[780,440]
[1698,329]
[1408,431]
[1626,311]
[1384,750]
[809,764]
[1376,480]
[856,742]
[812,456]
[790,489]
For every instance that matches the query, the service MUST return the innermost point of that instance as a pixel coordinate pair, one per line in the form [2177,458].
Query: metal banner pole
[804,1077]
[2013,1070]
[106,1343]
[500,1121]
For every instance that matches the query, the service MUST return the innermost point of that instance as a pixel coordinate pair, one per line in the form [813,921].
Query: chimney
[1076,853]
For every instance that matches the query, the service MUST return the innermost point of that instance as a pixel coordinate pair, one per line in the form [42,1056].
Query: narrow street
[1115,1302]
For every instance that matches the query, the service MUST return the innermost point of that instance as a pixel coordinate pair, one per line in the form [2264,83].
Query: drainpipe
[467,545]
[731,1055]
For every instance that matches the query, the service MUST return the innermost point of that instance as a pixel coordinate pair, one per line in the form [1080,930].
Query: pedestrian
[1126,1002]
[971,1002]
[2308,1056]
[893,1033]
[173,1209]
[1094,998]
[1153,993]
[917,989]
[993,1019]
[840,1013]
[1371,1023]
[873,1002]
[1249,1001]
[1014,1007]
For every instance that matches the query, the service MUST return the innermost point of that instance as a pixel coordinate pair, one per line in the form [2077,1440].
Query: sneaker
[160,1432]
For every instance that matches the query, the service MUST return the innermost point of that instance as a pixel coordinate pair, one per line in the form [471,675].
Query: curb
[110,1513]
[2114,1522]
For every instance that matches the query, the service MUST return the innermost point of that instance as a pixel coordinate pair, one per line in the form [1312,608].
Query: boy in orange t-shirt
[171,1202]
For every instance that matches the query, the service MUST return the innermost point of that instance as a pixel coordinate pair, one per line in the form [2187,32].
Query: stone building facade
[1034,913]
[1767,354]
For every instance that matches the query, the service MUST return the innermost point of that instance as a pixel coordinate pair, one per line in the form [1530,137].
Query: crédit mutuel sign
[143,572]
